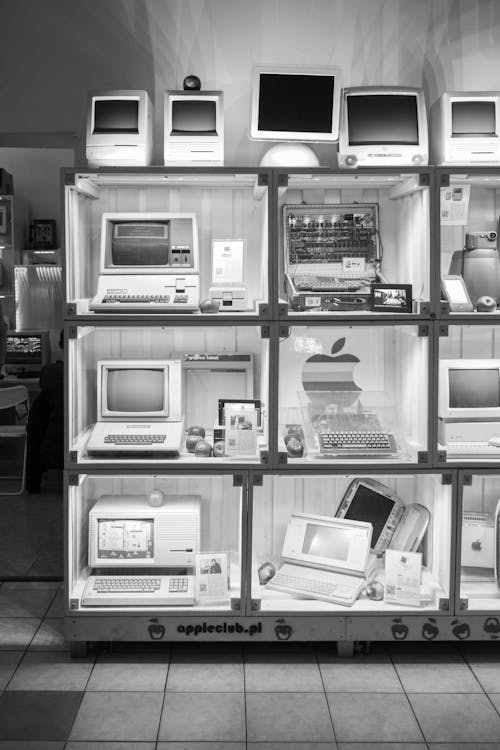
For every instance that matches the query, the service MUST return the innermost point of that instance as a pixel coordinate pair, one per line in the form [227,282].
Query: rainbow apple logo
[329,378]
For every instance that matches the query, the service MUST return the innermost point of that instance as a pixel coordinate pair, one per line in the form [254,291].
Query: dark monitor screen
[327,542]
[371,507]
[194,117]
[296,103]
[474,118]
[116,116]
[131,390]
[474,388]
[378,119]
[140,243]
[23,350]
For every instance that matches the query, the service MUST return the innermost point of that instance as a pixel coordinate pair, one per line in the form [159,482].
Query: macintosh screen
[116,116]
[368,505]
[135,391]
[194,117]
[472,118]
[296,103]
[474,388]
[325,541]
[131,539]
[380,119]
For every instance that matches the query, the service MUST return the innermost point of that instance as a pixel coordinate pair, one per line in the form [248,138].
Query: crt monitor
[194,127]
[27,351]
[465,128]
[153,242]
[295,103]
[127,532]
[383,126]
[119,128]
[469,389]
[139,390]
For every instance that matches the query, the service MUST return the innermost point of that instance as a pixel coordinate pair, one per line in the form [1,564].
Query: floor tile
[25,601]
[17,632]
[200,746]
[373,717]
[463,746]
[56,608]
[428,652]
[53,670]
[484,660]
[448,678]
[279,670]
[128,672]
[288,717]
[109,746]
[50,636]
[118,716]
[290,746]
[383,746]
[31,745]
[8,663]
[206,676]
[366,674]
[456,717]
[34,715]
[213,717]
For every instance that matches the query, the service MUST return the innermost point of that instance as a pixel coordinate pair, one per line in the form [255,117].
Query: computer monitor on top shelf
[465,128]
[194,128]
[383,126]
[119,128]
[27,352]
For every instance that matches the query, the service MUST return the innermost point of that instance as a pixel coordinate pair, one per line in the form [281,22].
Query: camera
[474,240]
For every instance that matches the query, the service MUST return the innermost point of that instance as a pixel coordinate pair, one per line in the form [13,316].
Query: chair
[14,406]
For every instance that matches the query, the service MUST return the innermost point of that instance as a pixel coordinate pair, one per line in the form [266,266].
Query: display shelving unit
[246,502]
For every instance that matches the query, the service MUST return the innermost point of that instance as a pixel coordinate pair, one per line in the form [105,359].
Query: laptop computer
[325,558]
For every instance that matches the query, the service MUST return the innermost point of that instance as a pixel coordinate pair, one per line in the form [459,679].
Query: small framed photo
[391,298]
[44,234]
[228,261]
[212,577]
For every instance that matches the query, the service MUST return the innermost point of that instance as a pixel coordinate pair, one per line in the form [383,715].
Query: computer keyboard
[138,590]
[313,586]
[335,283]
[134,439]
[370,440]
[472,449]
[338,588]
[136,298]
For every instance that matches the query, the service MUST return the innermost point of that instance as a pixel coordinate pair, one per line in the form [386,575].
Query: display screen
[144,243]
[296,103]
[116,116]
[23,349]
[456,291]
[135,391]
[472,119]
[326,541]
[194,117]
[474,388]
[371,507]
[125,539]
[378,119]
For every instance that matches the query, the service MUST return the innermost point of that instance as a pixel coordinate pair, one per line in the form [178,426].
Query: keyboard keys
[134,439]
[136,298]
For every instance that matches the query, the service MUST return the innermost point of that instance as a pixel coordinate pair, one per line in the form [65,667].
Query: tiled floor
[260,697]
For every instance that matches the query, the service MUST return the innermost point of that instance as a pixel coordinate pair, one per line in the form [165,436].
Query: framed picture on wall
[391,298]
[44,234]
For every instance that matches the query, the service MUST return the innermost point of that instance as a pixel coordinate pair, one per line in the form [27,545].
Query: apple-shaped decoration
[430,630]
[329,379]
[461,630]
[156,498]
[295,448]
[294,432]
[266,572]
[203,448]
[219,448]
[282,630]
[196,430]
[399,630]
[374,590]
[486,304]
[191,442]
[491,625]
[156,630]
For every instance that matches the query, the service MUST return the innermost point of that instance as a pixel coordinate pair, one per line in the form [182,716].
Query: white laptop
[325,558]
[138,408]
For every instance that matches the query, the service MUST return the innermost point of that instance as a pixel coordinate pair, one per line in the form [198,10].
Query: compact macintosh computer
[139,408]
[140,555]
[465,128]
[149,263]
[27,353]
[194,128]
[383,126]
[119,128]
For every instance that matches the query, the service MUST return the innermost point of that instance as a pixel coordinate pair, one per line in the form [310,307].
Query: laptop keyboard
[314,586]
[134,439]
[136,298]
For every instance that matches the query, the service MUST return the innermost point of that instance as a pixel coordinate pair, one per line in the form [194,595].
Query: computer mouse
[209,306]
[495,441]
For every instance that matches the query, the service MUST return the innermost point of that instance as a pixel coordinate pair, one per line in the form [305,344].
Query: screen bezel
[445,411]
[117,138]
[447,282]
[286,135]
[172,406]
[392,518]
[27,364]
[209,96]
[450,98]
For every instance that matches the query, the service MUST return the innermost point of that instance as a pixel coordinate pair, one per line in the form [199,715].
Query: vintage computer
[478,263]
[465,128]
[383,126]
[27,352]
[294,105]
[119,128]
[149,263]
[139,408]
[194,128]
[469,406]
[325,558]
[140,555]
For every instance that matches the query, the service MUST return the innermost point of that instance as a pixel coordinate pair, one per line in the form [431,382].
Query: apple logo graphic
[430,630]
[155,630]
[399,630]
[460,630]
[477,545]
[282,630]
[491,625]
[329,379]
